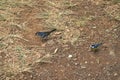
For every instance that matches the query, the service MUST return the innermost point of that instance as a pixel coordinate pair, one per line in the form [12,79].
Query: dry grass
[14,59]
[60,16]
[55,17]
[113,11]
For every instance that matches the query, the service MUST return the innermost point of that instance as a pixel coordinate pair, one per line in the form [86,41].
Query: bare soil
[66,54]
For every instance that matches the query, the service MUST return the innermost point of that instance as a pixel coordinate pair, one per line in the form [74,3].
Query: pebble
[76,64]
[86,62]
[115,74]
[107,30]
[70,56]
[94,27]
[89,74]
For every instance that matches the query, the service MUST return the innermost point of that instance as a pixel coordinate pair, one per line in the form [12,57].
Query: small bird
[94,47]
[44,34]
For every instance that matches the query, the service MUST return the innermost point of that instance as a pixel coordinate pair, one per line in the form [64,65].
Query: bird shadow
[96,51]
[45,40]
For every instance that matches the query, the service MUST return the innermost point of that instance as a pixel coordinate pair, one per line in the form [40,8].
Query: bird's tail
[53,30]
[100,43]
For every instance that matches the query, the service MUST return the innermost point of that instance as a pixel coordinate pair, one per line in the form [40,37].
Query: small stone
[89,74]
[115,74]
[76,64]
[70,56]
[86,62]
[115,29]
[94,27]
[107,30]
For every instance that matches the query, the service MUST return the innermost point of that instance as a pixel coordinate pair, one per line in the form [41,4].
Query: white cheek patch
[92,46]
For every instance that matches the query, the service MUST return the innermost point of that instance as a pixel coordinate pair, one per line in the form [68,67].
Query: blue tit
[94,47]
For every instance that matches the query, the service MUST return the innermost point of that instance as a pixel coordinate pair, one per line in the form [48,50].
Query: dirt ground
[66,54]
